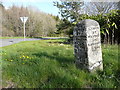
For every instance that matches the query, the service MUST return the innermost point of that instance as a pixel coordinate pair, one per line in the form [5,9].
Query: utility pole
[24,19]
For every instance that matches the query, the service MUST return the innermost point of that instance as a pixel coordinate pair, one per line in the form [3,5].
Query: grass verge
[50,64]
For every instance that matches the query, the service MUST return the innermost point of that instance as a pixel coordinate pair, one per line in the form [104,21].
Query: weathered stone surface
[87,45]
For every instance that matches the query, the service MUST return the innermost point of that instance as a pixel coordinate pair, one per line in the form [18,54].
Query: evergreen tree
[71,14]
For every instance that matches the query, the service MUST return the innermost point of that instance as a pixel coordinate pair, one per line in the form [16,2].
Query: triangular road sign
[24,19]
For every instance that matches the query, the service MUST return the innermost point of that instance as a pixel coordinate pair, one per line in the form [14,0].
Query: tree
[70,9]
[109,26]
[118,5]
[94,8]
[70,12]
[38,23]
[1,11]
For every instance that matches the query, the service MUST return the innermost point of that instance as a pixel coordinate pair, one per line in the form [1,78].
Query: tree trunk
[112,36]
[105,38]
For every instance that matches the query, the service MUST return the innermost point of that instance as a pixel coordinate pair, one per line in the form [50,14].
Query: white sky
[43,5]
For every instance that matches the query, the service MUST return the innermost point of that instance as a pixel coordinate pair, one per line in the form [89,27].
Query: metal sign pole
[24,31]
[24,19]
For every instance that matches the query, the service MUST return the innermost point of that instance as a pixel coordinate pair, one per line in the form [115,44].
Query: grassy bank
[50,64]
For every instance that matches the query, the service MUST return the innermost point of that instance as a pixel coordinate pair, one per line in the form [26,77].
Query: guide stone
[87,45]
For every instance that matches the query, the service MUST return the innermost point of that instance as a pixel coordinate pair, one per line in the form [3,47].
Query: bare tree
[118,5]
[38,24]
[1,11]
[99,7]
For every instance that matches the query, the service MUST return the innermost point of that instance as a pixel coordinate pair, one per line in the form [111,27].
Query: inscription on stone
[87,45]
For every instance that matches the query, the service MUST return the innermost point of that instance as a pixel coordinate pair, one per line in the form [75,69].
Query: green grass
[54,37]
[50,64]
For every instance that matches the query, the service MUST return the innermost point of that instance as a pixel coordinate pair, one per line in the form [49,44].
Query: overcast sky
[43,5]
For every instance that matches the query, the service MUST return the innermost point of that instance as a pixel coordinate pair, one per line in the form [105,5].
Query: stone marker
[87,45]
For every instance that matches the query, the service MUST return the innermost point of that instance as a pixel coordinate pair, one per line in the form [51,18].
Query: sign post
[24,19]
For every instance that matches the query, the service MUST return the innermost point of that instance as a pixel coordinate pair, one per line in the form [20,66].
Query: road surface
[6,42]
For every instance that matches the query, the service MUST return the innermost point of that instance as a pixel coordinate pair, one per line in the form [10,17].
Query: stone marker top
[87,23]
[85,26]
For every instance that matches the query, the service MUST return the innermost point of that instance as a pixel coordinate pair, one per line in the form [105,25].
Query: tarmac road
[6,42]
